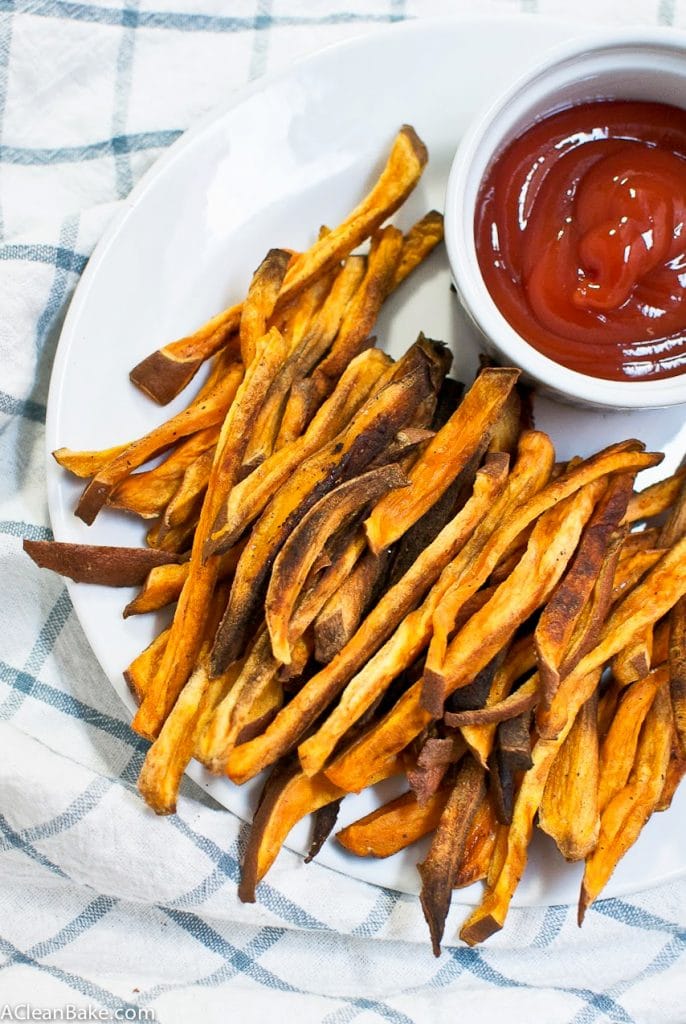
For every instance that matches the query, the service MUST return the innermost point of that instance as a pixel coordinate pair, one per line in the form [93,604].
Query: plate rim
[67,337]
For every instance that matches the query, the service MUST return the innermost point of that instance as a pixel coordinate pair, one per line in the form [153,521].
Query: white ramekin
[637,64]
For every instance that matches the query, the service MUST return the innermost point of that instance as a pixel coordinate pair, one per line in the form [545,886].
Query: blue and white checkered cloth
[102,904]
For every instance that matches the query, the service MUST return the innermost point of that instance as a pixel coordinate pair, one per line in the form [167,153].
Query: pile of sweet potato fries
[374,574]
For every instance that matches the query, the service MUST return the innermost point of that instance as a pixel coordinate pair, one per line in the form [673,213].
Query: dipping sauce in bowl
[580,231]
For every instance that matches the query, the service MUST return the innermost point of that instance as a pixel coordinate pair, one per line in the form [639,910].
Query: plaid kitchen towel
[104,909]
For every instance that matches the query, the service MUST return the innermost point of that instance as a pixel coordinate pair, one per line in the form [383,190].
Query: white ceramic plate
[291,153]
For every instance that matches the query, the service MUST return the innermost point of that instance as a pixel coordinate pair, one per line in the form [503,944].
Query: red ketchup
[581,238]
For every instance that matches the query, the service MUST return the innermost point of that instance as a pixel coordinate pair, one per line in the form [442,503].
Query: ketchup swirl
[581,238]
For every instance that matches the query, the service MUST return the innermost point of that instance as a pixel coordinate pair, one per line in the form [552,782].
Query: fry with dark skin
[166,372]
[339,618]
[97,563]
[226,725]
[439,870]
[250,496]
[560,616]
[371,429]
[298,554]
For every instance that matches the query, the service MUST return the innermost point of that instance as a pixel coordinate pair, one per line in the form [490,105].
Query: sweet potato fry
[560,616]
[193,605]
[208,409]
[639,540]
[479,847]
[625,457]
[439,870]
[446,455]
[147,494]
[87,464]
[168,757]
[624,817]
[519,660]
[143,667]
[228,721]
[676,769]
[319,691]
[345,457]
[259,303]
[305,334]
[190,491]
[298,554]
[630,570]
[97,563]
[511,848]
[649,601]
[360,317]
[394,826]
[339,618]
[164,373]
[420,240]
[287,797]
[677,669]
[517,703]
[550,547]
[634,661]
[435,757]
[675,526]
[569,809]
[249,497]
[619,745]
[656,499]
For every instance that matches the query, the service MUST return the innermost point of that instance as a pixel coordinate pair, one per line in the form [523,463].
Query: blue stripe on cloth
[265,939]
[383,907]
[51,255]
[71,815]
[180,21]
[17,528]
[10,839]
[134,143]
[89,916]
[30,410]
[260,47]
[238,958]
[551,926]
[54,305]
[669,954]
[472,960]
[228,866]
[629,913]
[79,984]
[29,685]
[122,92]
